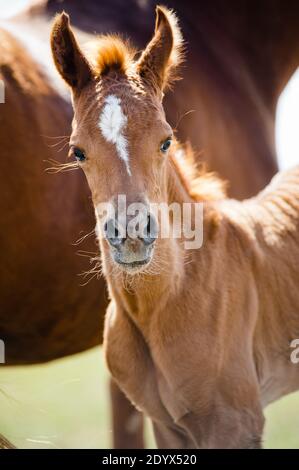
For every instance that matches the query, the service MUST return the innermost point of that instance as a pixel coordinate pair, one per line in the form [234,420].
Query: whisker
[84,237]
[58,143]
[56,136]
[95,271]
[95,275]
[63,147]
[60,167]
[87,254]
[182,117]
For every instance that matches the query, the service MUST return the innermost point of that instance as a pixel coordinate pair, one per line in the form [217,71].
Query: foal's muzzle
[132,240]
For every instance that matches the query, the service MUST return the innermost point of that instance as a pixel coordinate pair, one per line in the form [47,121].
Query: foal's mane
[200,184]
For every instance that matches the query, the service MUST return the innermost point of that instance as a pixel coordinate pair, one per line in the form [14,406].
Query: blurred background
[65,404]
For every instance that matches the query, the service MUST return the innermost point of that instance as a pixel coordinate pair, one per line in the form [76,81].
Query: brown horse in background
[43,314]
[44,311]
[227,110]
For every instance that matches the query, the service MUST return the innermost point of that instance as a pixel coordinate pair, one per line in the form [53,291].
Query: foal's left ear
[68,57]
[163,54]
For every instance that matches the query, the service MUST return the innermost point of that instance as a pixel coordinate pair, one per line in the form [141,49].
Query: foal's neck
[141,294]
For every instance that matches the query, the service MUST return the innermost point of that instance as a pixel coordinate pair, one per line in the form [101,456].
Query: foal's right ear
[68,57]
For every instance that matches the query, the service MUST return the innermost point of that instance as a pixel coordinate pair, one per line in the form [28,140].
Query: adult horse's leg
[126,420]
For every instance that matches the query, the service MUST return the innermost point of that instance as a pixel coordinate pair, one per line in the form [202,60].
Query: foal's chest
[132,365]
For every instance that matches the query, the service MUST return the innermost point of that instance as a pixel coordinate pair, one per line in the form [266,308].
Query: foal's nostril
[150,230]
[112,233]
[116,236]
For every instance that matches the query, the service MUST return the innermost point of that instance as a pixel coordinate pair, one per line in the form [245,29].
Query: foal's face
[120,135]
[121,140]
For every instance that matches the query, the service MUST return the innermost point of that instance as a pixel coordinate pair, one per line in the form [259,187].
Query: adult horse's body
[44,311]
[200,362]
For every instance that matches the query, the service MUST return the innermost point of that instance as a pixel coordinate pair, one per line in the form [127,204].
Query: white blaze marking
[112,123]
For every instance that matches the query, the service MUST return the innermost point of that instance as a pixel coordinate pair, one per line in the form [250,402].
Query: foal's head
[120,135]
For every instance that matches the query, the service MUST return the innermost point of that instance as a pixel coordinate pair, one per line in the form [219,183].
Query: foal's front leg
[132,368]
[131,365]
[171,437]
[224,411]
[226,428]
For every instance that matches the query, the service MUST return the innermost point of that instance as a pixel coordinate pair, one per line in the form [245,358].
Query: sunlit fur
[110,52]
[170,71]
[200,183]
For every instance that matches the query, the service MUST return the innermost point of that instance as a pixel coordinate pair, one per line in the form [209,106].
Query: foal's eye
[78,154]
[165,145]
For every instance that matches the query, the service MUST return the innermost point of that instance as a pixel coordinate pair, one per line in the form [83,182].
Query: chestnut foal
[198,339]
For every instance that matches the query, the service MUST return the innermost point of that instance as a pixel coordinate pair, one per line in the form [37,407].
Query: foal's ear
[163,54]
[68,57]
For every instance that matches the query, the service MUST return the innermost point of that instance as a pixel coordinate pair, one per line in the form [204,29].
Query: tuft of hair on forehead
[110,53]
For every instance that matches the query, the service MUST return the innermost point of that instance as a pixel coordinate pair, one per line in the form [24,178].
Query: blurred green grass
[65,404]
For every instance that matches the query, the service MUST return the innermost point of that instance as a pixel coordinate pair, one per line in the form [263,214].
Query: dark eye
[165,145]
[79,154]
